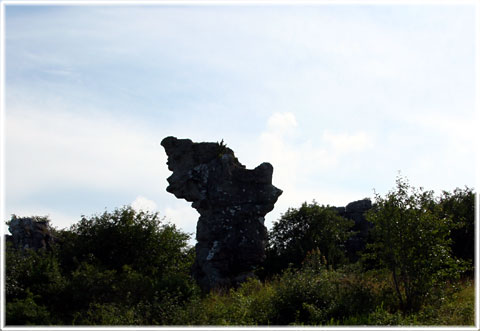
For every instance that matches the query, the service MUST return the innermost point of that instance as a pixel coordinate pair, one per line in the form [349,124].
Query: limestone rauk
[356,211]
[232,202]
[30,233]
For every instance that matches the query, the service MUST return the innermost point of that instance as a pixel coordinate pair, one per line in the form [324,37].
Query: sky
[338,98]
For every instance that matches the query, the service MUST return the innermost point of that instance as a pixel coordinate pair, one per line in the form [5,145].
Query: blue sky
[338,98]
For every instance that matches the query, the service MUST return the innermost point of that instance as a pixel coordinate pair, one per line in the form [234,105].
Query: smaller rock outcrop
[30,233]
[356,211]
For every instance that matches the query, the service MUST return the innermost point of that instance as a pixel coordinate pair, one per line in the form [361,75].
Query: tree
[460,207]
[412,241]
[301,230]
[126,237]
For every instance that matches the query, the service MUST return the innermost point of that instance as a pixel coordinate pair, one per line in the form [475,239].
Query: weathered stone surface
[232,202]
[356,211]
[30,232]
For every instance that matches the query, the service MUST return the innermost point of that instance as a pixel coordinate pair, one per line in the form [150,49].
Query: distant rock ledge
[30,233]
[355,211]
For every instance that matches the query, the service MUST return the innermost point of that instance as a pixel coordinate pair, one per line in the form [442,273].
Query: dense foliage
[411,239]
[459,206]
[298,231]
[132,268]
[317,295]
[124,267]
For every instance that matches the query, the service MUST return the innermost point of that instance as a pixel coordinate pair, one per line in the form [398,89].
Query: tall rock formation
[232,202]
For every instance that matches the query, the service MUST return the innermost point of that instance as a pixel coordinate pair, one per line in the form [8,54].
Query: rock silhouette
[356,211]
[30,233]
[232,202]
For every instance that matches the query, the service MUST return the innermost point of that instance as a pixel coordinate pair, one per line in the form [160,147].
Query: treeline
[133,268]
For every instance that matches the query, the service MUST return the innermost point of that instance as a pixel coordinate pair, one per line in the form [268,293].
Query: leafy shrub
[27,311]
[127,237]
[115,268]
[301,230]
[454,306]
[250,304]
[411,240]
[106,314]
[380,316]
[317,295]
[128,260]
[32,277]
[299,294]
[459,206]
[89,284]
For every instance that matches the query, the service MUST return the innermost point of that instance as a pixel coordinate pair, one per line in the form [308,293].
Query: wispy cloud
[342,142]
[183,216]
[143,204]
[302,167]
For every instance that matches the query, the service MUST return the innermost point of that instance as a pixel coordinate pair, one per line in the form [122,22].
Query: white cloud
[276,149]
[185,217]
[300,161]
[281,123]
[143,204]
[343,142]
[284,143]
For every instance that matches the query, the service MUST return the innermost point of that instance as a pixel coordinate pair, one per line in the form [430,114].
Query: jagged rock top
[359,206]
[210,171]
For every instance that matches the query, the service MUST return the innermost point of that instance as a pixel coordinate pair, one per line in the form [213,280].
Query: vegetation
[301,230]
[123,267]
[459,206]
[133,268]
[411,239]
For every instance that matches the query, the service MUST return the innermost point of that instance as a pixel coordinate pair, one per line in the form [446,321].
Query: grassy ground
[459,309]
[325,301]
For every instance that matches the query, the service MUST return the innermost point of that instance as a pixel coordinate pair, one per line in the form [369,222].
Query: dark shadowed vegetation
[133,268]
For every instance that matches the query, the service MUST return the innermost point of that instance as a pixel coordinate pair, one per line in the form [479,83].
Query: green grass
[454,309]
[459,309]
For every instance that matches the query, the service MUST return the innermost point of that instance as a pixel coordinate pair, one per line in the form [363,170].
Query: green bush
[313,295]
[250,304]
[27,311]
[126,237]
[89,284]
[304,297]
[412,241]
[318,295]
[454,306]
[106,314]
[380,316]
[301,230]
[33,277]
[115,268]
[128,260]
[459,206]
